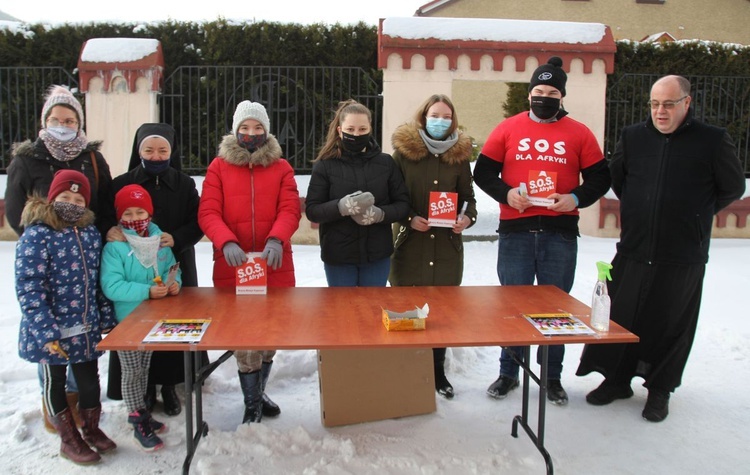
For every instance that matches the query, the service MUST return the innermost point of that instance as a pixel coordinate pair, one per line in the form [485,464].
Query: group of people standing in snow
[92,248]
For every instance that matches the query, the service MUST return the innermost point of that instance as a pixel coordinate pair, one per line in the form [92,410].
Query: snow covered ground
[706,431]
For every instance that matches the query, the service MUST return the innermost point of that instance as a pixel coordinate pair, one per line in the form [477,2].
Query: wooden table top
[350,317]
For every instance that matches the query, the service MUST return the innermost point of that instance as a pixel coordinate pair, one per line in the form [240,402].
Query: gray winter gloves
[355,203]
[234,254]
[360,206]
[273,253]
[371,215]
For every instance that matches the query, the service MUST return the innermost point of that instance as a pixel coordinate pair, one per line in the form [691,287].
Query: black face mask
[545,107]
[354,143]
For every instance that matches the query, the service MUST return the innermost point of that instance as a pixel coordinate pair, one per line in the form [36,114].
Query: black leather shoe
[608,392]
[270,408]
[172,406]
[657,405]
[555,393]
[501,387]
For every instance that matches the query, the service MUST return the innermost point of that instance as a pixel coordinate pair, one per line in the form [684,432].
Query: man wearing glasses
[671,173]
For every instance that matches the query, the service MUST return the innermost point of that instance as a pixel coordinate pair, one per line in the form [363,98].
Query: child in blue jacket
[129,276]
[63,312]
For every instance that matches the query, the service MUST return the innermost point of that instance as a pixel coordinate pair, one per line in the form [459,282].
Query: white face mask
[63,134]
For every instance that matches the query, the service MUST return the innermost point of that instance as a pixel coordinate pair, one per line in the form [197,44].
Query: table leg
[523,419]
[194,387]
[189,445]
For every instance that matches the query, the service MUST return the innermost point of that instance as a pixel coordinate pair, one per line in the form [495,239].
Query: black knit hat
[551,74]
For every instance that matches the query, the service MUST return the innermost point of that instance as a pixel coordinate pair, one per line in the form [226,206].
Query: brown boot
[73,405]
[47,421]
[73,447]
[92,434]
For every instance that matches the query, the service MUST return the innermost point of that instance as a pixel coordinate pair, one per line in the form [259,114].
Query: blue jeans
[70,383]
[374,274]
[548,256]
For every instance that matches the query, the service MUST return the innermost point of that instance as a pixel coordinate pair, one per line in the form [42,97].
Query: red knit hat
[133,196]
[69,180]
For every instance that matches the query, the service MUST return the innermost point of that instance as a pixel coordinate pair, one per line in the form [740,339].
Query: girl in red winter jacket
[250,203]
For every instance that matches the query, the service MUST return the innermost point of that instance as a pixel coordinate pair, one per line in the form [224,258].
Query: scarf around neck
[145,249]
[438,146]
[64,151]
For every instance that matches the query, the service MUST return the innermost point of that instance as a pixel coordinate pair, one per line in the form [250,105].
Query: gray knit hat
[250,110]
[59,95]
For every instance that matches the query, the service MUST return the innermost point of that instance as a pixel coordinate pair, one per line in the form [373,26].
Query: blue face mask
[437,128]
[154,167]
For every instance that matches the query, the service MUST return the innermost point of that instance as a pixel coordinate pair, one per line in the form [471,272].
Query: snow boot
[92,434]
[252,390]
[556,393]
[73,405]
[48,420]
[442,386]
[143,431]
[270,408]
[72,446]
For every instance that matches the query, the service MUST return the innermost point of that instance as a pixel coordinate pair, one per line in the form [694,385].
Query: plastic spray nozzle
[603,268]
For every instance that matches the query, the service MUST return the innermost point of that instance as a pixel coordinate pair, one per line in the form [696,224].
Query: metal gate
[22,92]
[723,101]
[199,102]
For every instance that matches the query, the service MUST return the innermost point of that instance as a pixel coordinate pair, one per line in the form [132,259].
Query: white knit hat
[58,95]
[250,110]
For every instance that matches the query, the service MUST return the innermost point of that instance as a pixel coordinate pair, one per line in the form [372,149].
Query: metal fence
[718,100]
[199,102]
[22,92]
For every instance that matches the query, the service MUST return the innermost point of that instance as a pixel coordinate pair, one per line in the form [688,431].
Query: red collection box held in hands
[252,276]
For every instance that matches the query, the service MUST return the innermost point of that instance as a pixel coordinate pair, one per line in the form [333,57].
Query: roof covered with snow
[118,50]
[490,29]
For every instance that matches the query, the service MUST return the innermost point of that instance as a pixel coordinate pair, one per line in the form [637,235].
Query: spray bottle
[600,301]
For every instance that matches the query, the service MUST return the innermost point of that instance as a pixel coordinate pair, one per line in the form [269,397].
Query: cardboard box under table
[372,385]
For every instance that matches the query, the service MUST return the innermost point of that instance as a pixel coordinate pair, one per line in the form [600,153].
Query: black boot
[150,397]
[442,386]
[270,408]
[172,406]
[252,390]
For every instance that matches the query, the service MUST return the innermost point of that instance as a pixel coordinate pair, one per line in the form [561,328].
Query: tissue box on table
[411,320]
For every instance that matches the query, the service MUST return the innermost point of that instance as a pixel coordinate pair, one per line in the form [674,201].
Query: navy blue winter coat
[57,284]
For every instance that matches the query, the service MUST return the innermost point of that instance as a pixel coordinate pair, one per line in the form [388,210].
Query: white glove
[372,215]
[355,203]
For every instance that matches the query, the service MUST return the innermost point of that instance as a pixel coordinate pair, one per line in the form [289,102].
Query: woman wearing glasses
[61,145]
